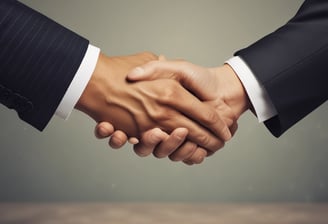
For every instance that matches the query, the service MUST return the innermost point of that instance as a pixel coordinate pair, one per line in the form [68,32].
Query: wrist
[231,90]
[86,102]
[109,97]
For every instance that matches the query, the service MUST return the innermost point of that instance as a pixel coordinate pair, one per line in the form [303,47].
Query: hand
[117,138]
[157,142]
[218,85]
[137,107]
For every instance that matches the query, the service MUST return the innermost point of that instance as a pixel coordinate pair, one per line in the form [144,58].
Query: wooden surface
[162,213]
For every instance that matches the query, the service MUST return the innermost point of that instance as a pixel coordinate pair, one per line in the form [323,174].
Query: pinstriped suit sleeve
[38,60]
[292,65]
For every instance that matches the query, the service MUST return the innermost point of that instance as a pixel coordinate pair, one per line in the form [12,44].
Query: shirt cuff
[79,82]
[257,94]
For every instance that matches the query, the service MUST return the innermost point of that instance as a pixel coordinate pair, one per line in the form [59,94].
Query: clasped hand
[159,97]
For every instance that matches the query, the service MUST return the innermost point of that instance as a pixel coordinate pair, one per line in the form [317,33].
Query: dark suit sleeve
[38,60]
[292,65]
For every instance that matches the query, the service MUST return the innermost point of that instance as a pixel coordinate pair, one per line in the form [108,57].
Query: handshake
[165,108]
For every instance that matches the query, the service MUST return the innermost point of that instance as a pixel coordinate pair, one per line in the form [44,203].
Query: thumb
[145,72]
[161,69]
[137,74]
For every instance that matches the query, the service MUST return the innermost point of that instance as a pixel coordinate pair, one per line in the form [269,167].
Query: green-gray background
[67,163]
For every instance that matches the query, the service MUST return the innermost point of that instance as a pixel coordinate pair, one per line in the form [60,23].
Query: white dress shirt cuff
[79,82]
[257,94]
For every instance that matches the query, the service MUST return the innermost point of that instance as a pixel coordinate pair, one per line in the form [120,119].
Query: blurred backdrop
[67,163]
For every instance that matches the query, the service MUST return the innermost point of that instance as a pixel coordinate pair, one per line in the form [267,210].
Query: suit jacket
[38,60]
[292,65]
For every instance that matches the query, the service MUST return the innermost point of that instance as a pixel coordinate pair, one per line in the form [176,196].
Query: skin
[218,86]
[136,107]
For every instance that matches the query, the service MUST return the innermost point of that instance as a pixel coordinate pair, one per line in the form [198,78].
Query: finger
[199,80]
[118,139]
[103,130]
[183,100]
[171,143]
[184,152]
[233,128]
[149,71]
[133,140]
[197,133]
[149,140]
[197,157]
[228,116]
[206,115]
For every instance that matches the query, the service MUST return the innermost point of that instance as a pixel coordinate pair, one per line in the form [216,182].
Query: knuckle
[149,55]
[211,117]
[174,158]
[216,148]
[210,143]
[198,160]
[162,115]
[152,63]
[184,153]
[203,140]
[142,152]
[188,162]
[190,149]
[159,155]
[171,92]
